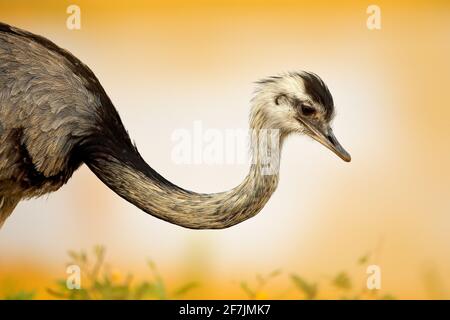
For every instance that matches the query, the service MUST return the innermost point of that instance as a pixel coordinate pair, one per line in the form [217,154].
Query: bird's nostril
[330,138]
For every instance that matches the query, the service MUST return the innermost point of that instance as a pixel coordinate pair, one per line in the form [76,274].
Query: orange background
[166,64]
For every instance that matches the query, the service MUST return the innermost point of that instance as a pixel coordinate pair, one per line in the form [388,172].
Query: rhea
[56,116]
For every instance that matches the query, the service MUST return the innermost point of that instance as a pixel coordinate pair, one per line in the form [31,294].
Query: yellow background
[166,64]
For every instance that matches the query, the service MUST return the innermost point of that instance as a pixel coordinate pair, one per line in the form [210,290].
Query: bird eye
[307,110]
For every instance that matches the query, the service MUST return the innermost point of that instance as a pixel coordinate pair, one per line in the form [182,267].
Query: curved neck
[130,177]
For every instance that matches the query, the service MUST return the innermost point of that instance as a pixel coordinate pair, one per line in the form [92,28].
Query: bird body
[56,116]
[40,112]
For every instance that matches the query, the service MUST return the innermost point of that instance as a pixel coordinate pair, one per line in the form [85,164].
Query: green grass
[341,283]
[100,282]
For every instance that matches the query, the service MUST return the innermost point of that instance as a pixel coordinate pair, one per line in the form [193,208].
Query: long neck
[127,174]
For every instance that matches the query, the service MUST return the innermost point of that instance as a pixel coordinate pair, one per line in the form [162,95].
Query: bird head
[297,103]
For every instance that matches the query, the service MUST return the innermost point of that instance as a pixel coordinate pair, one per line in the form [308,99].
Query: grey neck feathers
[138,185]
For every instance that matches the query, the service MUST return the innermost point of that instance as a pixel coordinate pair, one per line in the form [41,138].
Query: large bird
[55,116]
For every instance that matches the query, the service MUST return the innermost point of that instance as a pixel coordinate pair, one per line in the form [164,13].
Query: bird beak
[327,138]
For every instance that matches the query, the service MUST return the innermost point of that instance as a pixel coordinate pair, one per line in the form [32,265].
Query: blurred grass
[99,280]
[21,295]
[342,285]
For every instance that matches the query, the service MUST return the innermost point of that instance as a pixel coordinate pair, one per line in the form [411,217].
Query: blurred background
[166,64]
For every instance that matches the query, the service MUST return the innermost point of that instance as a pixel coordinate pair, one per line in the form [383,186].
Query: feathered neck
[127,174]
